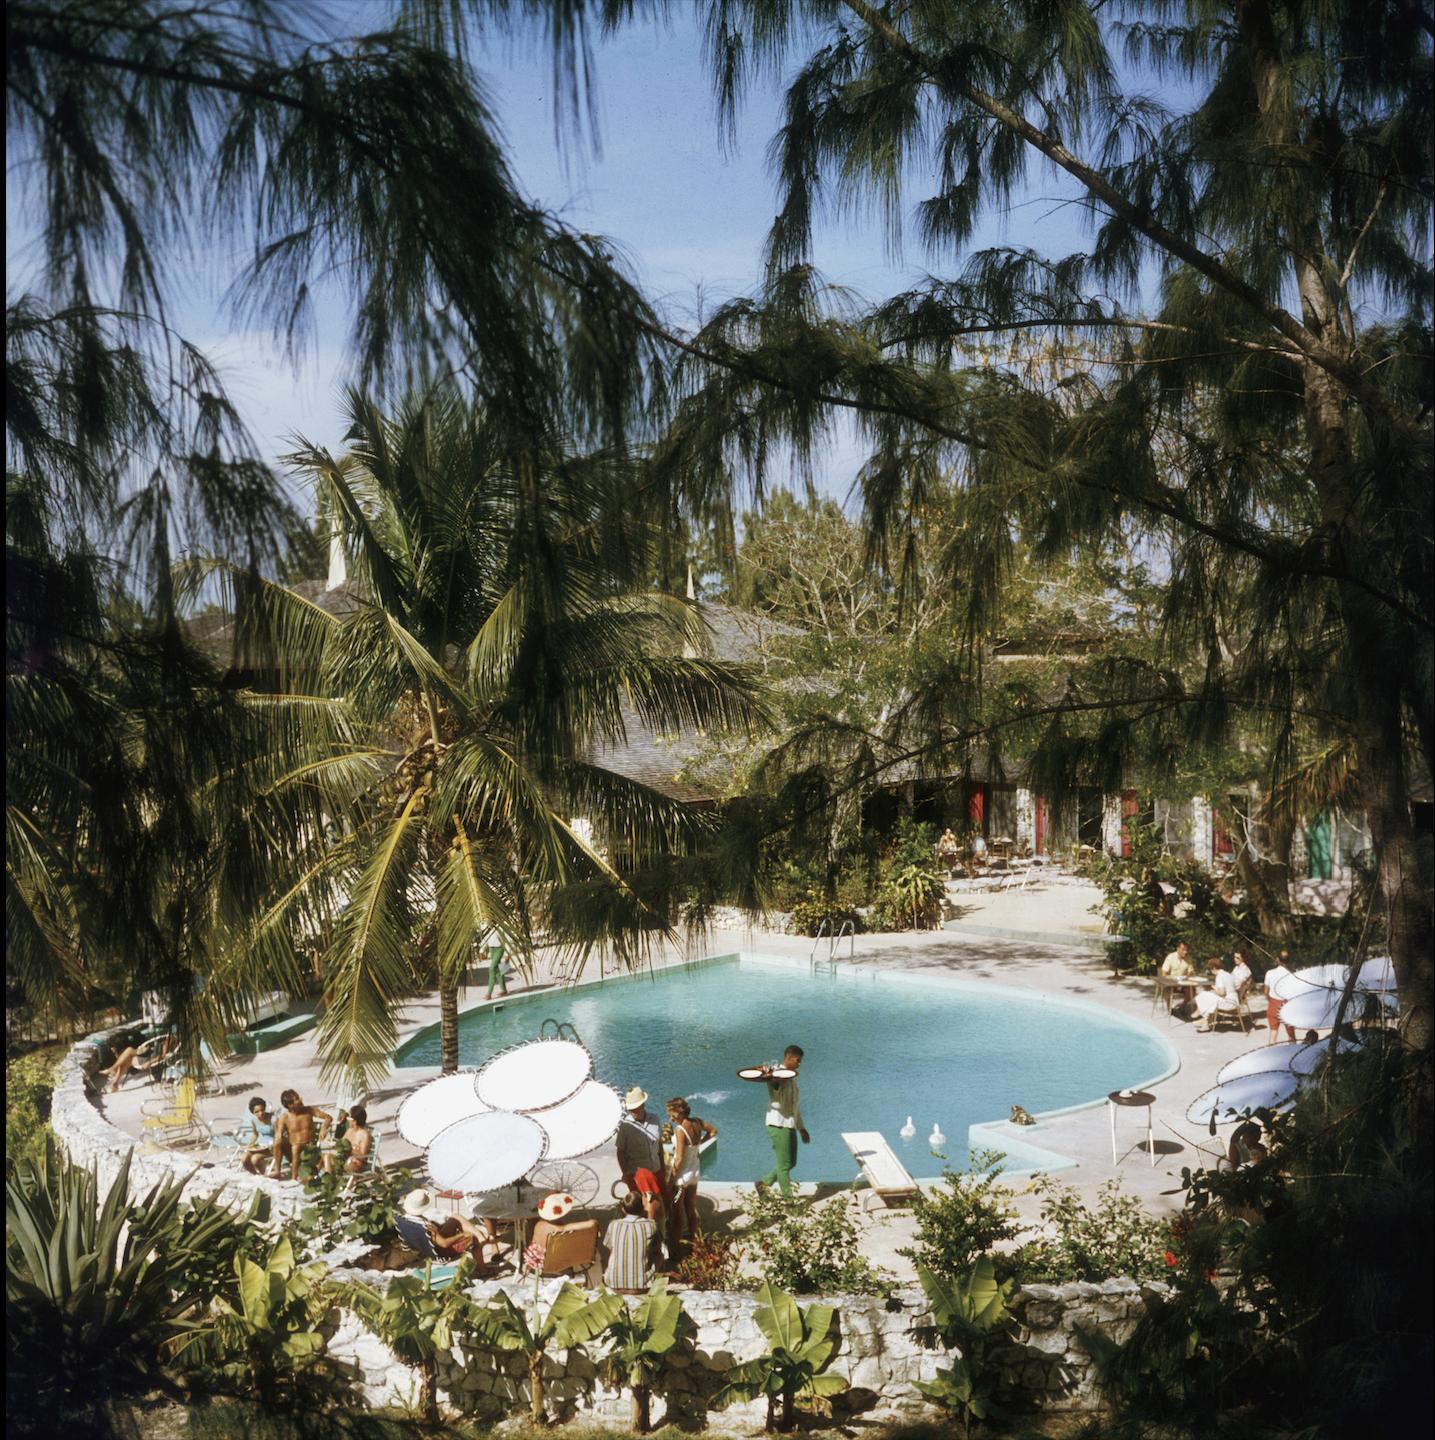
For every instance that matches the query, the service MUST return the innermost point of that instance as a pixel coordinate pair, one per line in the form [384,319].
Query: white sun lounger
[884,1172]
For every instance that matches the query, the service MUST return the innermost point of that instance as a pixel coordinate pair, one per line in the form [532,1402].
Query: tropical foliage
[969,1314]
[801,1341]
[807,1248]
[640,1341]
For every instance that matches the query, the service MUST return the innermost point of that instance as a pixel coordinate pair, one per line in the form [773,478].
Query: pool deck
[1082,1135]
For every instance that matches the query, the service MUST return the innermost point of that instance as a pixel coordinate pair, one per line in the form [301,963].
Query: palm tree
[452,721]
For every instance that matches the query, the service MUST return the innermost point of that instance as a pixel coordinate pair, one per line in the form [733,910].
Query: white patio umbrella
[484,1152]
[1316,1009]
[581,1123]
[534,1075]
[437,1105]
[1296,1056]
[1266,1090]
[1377,973]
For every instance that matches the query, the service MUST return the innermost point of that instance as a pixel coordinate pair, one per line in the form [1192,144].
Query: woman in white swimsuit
[688,1133]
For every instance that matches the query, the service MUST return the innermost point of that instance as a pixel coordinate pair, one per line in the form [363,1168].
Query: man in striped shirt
[631,1242]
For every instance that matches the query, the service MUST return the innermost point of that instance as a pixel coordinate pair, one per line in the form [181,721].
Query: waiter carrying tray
[784,1121]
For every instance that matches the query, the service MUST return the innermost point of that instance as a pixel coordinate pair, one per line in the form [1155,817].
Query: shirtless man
[360,1140]
[296,1129]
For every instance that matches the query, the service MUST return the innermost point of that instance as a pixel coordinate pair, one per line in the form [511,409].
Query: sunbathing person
[256,1130]
[453,1237]
[296,1132]
[360,1140]
[129,1059]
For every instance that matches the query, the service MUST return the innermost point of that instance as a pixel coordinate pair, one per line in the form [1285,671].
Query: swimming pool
[880,1046]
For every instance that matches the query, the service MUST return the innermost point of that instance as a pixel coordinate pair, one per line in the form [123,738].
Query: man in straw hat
[640,1155]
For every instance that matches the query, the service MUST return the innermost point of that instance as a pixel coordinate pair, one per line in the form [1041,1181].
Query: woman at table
[1222,996]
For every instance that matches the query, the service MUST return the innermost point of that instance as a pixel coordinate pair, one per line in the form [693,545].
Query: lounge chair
[888,1178]
[176,1124]
[414,1233]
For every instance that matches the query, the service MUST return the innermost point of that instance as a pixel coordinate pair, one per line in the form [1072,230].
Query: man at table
[784,1124]
[640,1155]
[1177,966]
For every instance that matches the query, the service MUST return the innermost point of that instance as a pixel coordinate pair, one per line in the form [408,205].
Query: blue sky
[690,215]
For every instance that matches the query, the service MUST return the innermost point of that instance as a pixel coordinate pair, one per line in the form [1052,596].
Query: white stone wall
[877,1355]
[1025,818]
[90,1139]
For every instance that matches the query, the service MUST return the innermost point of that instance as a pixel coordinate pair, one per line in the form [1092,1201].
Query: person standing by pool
[496,974]
[640,1155]
[784,1124]
[688,1134]
[295,1130]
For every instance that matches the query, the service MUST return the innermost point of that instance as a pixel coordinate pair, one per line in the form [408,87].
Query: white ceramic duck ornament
[908,1130]
[936,1139]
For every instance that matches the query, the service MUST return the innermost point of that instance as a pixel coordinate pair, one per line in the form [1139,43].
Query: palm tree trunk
[448,1027]
[428,1391]
[641,1414]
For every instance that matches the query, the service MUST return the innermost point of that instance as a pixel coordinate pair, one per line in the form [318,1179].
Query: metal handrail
[816,941]
[849,929]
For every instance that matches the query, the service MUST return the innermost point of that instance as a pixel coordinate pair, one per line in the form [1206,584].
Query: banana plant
[969,1314]
[641,1339]
[94,1290]
[801,1343]
[264,1340]
[573,1319]
[417,1323]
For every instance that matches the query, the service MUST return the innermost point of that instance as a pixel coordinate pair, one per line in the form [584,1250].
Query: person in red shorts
[640,1156]
[1273,1005]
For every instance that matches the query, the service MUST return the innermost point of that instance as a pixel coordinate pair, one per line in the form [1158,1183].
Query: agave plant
[801,1343]
[93,1292]
[573,1319]
[641,1339]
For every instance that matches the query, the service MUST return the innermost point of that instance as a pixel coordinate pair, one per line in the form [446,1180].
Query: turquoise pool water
[879,1047]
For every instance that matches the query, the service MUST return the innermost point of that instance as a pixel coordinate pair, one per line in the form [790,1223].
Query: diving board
[884,1172]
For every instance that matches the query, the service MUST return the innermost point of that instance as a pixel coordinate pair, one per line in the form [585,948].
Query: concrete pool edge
[995,1134]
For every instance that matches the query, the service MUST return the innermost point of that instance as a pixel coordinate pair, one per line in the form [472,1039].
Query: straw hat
[556,1205]
[635,1097]
[417,1201]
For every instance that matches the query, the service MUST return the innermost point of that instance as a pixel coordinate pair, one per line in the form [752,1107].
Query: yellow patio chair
[176,1124]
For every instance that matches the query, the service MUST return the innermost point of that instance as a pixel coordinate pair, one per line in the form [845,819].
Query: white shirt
[1224,988]
[1275,973]
[783,1109]
[1241,975]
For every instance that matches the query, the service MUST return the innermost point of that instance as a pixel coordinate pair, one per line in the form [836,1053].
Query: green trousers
[784,1155]
[495,971]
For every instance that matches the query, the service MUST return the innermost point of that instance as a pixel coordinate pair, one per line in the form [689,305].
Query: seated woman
[452,1237]
[1246,1147]
[551,1211]
[1221,996]
[360,1140]
[256,1130]
[129,1059]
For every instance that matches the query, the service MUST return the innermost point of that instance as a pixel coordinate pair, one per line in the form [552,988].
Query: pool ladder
[834,939]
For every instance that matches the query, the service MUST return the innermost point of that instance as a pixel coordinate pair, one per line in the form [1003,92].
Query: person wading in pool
[784,1124]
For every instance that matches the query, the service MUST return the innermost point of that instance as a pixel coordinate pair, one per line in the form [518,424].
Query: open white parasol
[437,1105]
[1296,1056]
[483,1152]
[1316,1009]
[534,1075]
[1266,1090]
[582,1122]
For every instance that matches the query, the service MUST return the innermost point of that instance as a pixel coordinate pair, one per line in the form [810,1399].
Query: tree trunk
[641,1409]
[448,1028]
[787,1413]
[1272,916]
[535,1387]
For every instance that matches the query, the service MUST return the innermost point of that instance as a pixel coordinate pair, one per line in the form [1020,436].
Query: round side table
[1137,1097]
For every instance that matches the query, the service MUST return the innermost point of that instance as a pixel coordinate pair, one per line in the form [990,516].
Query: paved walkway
[1032,964]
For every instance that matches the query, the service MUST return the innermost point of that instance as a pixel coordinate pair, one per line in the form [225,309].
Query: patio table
[1121,1099]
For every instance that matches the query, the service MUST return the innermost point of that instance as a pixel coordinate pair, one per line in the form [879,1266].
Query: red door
[977,809]
[1041,824]
[1130,804]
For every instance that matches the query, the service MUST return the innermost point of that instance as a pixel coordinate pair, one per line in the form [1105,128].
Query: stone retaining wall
[878,1356]
[90,1139]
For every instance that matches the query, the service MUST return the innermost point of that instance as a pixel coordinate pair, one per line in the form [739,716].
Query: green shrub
[806,1248]
[910,899]
[712,1262]
[811,915]
[29,1086]
[1117,1237]
[963,1218]
[337,1211]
